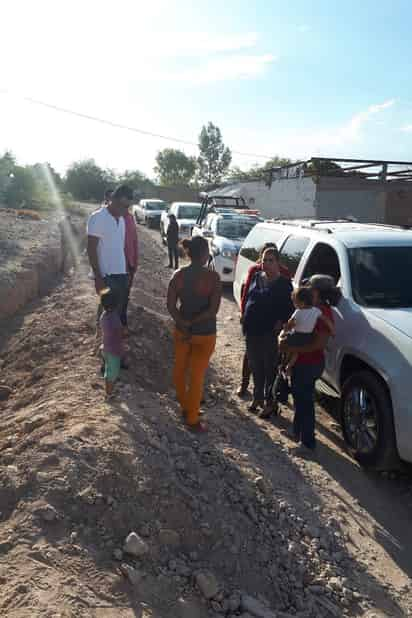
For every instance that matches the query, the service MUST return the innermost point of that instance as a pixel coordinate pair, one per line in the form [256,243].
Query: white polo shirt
[110,248]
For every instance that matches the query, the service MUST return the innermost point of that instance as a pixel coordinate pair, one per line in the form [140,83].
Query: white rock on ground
[135,546]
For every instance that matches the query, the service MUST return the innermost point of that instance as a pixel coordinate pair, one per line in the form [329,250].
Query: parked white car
[225,234]
[148,212]
[369,361]
[186,214]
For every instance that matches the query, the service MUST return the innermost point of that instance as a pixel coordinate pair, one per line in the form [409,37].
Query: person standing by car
[246,372]
[268,306]
[193,301]
[310,363]
[106,234]
[172,236]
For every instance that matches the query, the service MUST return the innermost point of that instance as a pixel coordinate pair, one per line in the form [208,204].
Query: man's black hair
[122,191]
[108,193]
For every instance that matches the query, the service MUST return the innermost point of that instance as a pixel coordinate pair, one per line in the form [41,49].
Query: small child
[299,329]
[112,340]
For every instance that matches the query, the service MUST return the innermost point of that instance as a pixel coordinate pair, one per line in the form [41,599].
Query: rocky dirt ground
[229,523]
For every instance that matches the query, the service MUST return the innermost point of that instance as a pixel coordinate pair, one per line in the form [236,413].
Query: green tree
[174,167]
[137,181]
[39,173]
[21,188]
[7,165]
[87,181]
[214,158]
[257,171]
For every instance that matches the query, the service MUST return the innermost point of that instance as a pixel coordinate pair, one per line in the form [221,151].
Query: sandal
[271,408]
[198,428]
[255,405]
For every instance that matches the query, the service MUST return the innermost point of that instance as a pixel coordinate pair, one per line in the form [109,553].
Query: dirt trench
[33,254]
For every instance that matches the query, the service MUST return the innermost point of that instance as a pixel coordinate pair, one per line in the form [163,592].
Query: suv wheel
[367,421]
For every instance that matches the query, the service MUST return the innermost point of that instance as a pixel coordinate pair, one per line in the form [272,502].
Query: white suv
[225,234]
[186,214]
[369,361]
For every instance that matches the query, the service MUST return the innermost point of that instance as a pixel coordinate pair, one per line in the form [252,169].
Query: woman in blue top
[268,306]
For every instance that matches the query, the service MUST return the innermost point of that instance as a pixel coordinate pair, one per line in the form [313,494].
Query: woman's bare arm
[172,299]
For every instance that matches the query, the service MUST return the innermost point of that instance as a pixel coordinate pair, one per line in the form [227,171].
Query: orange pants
[191,361]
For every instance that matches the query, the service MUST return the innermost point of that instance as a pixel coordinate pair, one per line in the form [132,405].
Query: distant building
[370,191]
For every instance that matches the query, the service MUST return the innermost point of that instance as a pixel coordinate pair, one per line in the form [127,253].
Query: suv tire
[367,421]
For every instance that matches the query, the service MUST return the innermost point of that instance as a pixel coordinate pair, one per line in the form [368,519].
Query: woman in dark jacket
[268,306]
[172,236]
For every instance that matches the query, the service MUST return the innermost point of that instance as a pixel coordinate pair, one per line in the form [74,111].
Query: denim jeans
[303,390]
[262,354]
[173,255]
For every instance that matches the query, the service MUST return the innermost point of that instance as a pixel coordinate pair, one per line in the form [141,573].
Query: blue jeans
[303,390]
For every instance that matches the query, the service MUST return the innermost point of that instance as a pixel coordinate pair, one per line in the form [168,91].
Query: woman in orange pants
[193,300]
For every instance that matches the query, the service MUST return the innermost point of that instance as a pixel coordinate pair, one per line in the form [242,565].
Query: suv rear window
[254,242]
[292,252]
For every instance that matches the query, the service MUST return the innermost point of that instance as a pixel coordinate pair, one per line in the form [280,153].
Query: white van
[369,361]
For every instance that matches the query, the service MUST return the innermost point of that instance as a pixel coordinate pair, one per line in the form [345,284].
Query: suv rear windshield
[381,276]
[155,206]
[234,228]
[188,212]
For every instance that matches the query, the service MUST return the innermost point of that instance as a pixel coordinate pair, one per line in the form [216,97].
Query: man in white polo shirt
[106,244]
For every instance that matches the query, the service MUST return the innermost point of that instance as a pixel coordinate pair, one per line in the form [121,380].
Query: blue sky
[294,79]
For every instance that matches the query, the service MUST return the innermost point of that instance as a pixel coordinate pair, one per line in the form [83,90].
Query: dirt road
[229,524]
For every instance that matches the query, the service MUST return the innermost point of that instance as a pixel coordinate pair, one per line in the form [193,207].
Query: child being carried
[299,330]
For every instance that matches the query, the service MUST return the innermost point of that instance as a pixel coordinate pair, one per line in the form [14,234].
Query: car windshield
[188,212]
[156,206]
[235,228]
[381,276]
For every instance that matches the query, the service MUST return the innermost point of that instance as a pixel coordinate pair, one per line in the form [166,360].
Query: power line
[117,125]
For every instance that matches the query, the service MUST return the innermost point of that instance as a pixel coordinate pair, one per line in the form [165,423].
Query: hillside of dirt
[116,510]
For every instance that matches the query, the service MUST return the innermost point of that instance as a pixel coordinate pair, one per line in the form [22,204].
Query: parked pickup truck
[369,361]
[186,214]
[225,233]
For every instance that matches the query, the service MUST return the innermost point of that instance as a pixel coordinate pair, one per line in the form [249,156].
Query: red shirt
[251,273]
[318,356]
